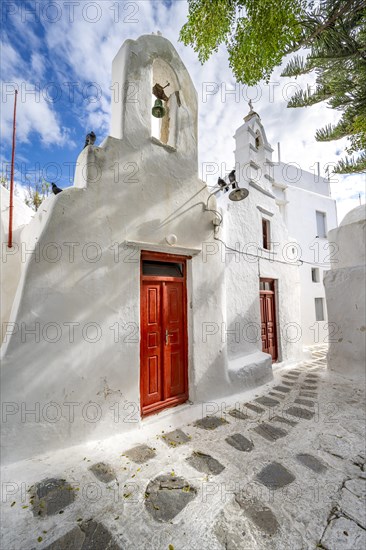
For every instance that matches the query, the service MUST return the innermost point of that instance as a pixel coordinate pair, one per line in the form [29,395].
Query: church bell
[158,110]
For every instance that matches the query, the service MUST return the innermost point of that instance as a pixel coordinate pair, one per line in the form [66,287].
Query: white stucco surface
[315,253]
[345,294]
[71,348]
[247,261]
[11,258]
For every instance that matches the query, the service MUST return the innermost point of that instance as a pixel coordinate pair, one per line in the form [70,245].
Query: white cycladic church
[139,289]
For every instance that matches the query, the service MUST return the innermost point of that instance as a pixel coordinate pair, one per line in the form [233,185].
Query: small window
[266,234]
[266,285]
[258,141]
[319,309]
[315,274]
[162,269]
[321,225]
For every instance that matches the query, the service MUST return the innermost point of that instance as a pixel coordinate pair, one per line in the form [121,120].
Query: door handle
[166,337]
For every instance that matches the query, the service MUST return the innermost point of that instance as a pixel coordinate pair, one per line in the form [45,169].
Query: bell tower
[148,72]
[253,152]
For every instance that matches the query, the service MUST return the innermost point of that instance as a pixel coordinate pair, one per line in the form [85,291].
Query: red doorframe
[267,300]
[162,400]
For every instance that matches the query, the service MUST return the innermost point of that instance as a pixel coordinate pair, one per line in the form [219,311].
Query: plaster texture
[79,290]
[246,261]
[345,294]
[71,350]
[11,258]
[300,195]
[165,501]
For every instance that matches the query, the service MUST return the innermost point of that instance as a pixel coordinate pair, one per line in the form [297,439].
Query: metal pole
[11,205]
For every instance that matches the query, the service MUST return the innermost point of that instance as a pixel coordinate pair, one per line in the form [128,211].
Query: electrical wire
[296,264]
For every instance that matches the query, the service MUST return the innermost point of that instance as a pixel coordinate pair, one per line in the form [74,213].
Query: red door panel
[174,357]
[164,368]
[268,322]
[151,387]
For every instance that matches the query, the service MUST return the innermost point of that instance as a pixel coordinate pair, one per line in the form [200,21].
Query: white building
[309,213]
[299,200]
[138,289]
[260,259]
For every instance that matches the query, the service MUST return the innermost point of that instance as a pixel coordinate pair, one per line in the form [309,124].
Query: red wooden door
[163,371]
[268,318]
[173,326]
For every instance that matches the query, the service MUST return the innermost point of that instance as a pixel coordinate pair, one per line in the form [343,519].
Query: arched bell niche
[165,129]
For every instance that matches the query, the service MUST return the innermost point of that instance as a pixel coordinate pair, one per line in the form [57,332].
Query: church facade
[145,289]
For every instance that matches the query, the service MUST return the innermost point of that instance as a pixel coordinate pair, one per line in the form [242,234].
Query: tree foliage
[338,57]
[36,193]
[259,33]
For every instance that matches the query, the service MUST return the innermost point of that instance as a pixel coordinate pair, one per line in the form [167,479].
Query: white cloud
[82,51]
[34,113]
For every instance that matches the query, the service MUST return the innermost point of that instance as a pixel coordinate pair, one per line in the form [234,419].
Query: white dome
[356,215]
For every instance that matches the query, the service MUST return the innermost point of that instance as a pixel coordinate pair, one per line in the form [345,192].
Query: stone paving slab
[235,413]
[275,476]
[210,422]
[205,463]
[50,496]
[300,413]
[311,462]
[175,438]
[73,539]
[283,420]
[104,472]
[239,442]
[282,389]
[258,513]
[278,395]
[97,537]
[167,495]
[353,507]
[269,432]
[90,535]
[343,533]
[305,402]
[308,388]
[254,408]
[357,487]
[267,401]
[140,454]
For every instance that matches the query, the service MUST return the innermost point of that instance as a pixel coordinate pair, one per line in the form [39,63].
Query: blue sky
[59,55]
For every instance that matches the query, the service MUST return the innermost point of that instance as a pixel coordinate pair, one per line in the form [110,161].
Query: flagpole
[11,204]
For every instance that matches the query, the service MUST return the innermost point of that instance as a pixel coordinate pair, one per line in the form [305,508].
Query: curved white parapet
[345,295]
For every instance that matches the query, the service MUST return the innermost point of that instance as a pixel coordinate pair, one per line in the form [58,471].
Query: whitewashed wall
[11,258]
[345,294]
[243,231]
[315,252]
